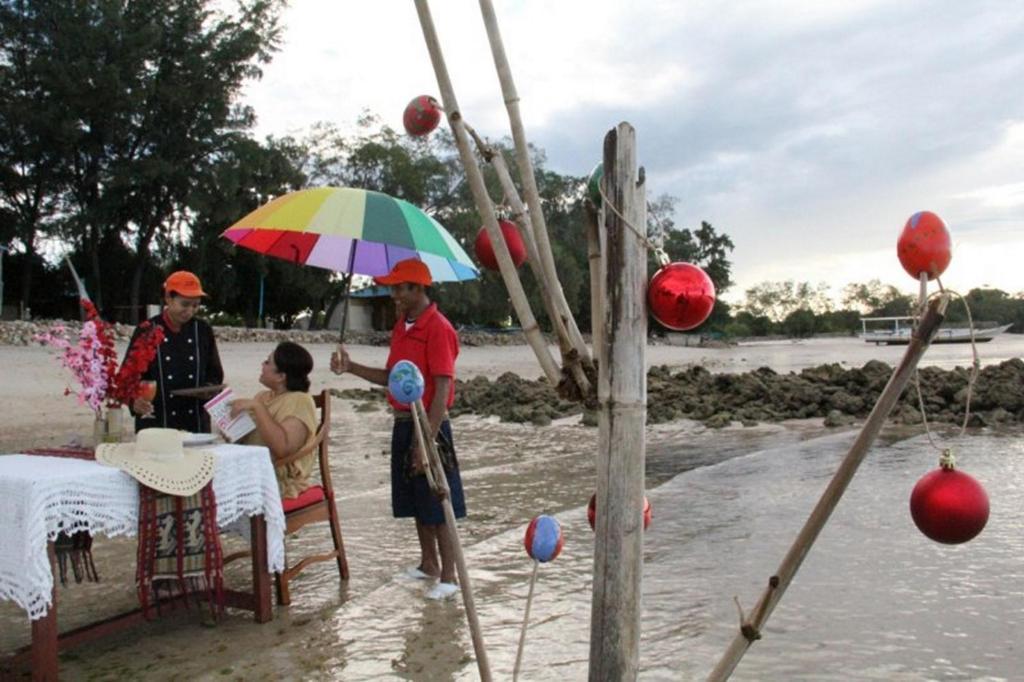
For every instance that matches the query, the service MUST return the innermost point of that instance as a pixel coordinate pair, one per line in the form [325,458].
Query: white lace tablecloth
[41,496]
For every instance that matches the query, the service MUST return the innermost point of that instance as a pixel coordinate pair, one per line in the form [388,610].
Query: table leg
[260,574]
[44,633]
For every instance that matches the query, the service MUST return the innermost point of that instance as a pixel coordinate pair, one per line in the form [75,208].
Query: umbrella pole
[483,201]
[344,309]
[529,180]
[347,288]
[422,425]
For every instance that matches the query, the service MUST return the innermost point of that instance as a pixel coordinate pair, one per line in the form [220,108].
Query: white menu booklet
[219,408]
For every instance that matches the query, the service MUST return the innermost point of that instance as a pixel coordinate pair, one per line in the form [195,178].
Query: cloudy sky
[807,131]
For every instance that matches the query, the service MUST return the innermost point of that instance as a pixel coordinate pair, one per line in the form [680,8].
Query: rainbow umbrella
[355,231]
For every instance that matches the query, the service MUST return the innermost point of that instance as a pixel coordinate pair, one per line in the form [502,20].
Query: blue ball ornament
[405,382]
[543,539]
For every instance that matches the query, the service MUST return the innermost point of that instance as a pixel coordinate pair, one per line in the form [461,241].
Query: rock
[718,421]
[836,418]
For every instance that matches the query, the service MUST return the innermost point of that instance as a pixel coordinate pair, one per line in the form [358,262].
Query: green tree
[877,299]
[151,88]
[776,300]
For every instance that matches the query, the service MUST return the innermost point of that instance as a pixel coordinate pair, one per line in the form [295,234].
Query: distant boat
[898,333]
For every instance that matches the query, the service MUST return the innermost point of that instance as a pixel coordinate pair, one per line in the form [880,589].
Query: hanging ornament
[924,246]
[592,512]
[594,184]
[405,382]
[514,242]
[421,115]
[947,505]
[680,295]
[543,538]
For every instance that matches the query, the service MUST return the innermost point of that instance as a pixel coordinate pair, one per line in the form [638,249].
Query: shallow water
[874,600]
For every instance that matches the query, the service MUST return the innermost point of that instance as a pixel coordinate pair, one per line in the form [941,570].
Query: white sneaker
[443,591]
[414,573]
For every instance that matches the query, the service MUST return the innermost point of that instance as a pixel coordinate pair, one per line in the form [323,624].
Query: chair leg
[284,597]
[339,543]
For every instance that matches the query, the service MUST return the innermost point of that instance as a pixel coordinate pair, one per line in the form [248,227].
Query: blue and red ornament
[543,540]
[924,246]
[421,115]
[405,382]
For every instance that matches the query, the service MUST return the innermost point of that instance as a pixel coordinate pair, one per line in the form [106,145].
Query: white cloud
[808,132]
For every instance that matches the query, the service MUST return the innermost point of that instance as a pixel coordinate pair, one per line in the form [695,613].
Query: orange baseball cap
[410,271]
[184,283]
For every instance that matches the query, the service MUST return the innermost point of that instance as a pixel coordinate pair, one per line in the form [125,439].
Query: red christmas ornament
[949,506]
[924,245]
[514,242]
[592,512]
[681,296]
[421,115]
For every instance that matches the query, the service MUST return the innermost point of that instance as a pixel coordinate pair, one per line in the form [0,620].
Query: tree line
[124,145]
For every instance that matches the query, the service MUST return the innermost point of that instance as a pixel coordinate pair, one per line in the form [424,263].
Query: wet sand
[378,626]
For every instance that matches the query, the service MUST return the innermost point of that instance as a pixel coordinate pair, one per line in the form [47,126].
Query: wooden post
[263,610]
[429,447]
[484,205]
[622,394]
[750,628]
[525,165]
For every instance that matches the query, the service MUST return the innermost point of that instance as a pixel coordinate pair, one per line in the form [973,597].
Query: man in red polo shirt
[426,338]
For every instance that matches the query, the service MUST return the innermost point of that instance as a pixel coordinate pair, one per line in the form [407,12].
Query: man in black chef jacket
[187,359]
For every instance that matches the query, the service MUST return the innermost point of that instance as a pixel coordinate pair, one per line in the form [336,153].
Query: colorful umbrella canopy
[351,230]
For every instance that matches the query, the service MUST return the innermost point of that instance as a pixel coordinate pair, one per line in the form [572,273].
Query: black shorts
[410,493]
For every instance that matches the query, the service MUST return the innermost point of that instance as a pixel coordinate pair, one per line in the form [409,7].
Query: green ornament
[594,184]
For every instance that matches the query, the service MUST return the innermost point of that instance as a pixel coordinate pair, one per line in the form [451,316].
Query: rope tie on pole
[655,247]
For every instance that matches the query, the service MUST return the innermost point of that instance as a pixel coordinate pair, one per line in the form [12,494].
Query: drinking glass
[147,391]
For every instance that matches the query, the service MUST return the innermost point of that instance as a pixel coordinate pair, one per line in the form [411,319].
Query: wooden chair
[314,505]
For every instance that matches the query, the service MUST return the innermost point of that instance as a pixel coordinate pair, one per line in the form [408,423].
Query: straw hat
[159,460]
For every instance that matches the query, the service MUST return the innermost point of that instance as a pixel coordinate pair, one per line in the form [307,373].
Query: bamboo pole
[429,448]
[750,628]
[483,201]
[570,358]
[525,165]
[622,393]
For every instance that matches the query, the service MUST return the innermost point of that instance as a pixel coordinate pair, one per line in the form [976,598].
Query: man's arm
[341,363]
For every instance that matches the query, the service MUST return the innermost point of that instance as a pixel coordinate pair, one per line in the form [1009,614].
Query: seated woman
[285,415]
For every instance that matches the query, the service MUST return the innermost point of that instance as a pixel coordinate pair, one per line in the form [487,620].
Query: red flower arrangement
[93,360]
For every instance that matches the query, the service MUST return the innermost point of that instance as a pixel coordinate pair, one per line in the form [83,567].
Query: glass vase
[108,427]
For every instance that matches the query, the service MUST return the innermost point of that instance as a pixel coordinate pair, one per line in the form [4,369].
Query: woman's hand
[340,362]
[240,405]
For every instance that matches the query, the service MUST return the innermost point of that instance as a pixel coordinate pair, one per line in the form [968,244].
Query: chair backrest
[323,402]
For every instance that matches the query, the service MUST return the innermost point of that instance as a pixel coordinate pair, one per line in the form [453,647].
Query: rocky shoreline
[838,395]
[23,333]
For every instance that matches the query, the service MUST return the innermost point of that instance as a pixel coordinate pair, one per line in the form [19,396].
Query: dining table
[42,496]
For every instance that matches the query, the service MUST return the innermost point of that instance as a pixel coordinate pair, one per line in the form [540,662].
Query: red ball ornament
[592,512]
[924,246]
[681,296]
[514,242]
[421,115]
[949,506]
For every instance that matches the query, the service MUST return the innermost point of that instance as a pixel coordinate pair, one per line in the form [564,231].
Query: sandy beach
[376,626]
